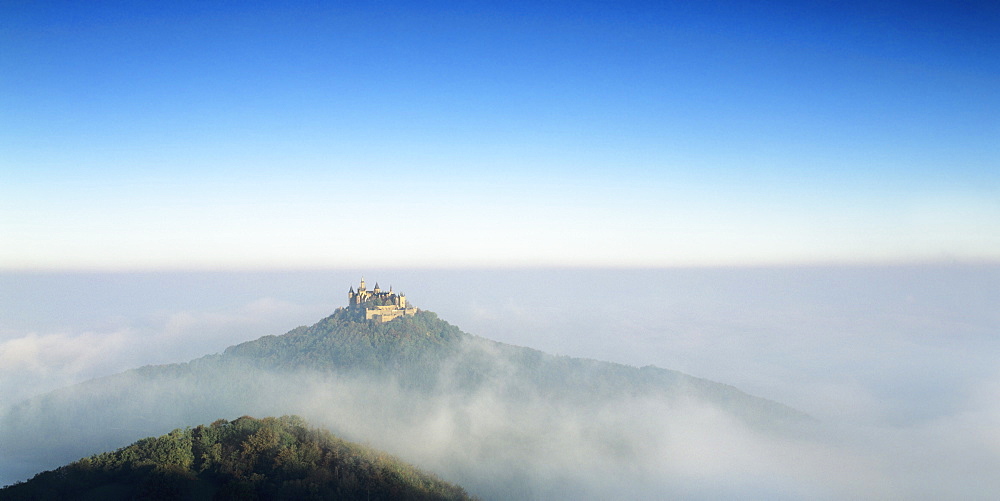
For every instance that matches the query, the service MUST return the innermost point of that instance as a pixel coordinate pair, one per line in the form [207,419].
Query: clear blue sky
[293,134]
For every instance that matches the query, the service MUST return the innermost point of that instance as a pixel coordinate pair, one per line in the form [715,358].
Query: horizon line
[873,263]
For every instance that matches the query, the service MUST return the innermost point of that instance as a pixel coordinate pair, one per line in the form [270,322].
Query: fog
[897,364]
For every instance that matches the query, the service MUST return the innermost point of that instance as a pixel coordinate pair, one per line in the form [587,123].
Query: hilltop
[424,353]
[270,458]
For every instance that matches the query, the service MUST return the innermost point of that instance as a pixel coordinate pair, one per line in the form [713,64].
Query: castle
[377,304]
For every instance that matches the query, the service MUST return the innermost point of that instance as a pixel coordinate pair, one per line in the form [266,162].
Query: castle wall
[380,313]
[387,313]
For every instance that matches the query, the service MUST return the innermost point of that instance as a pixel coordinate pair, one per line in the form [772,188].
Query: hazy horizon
[577,312]
[887,358]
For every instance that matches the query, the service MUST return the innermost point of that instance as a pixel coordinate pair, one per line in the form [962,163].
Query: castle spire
[378,305]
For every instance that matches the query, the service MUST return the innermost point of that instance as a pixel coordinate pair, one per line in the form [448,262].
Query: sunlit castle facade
[378,305]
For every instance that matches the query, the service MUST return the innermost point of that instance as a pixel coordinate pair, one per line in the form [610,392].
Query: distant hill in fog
[425,354]
[483,413]
[245,459]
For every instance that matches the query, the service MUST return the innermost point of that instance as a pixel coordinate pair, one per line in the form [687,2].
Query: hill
[246,459]
[504,421]
[426,354]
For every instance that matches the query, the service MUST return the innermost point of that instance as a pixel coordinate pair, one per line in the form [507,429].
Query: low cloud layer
[33,362]
[897,364]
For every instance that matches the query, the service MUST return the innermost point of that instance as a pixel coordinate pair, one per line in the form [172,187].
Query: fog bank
[897,363]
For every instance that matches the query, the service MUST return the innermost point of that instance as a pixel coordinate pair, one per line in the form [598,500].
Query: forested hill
[426,354]
[504,421]
[344,343]
[246,459]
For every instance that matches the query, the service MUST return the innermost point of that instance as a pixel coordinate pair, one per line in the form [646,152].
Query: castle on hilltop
[377,304]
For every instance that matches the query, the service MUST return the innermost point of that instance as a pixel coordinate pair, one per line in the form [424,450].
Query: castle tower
[378,305]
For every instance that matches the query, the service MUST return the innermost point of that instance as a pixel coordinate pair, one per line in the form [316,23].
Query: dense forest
[343,342]
[245,459]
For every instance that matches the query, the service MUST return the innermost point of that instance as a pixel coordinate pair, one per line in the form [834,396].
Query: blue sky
[258,134]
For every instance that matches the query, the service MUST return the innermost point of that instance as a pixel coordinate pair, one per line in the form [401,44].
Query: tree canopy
[244,459]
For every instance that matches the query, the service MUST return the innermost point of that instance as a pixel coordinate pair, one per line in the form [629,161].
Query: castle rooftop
[378,305]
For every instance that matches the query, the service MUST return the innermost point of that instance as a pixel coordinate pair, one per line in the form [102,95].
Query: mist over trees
[502,420]
[246,459]
[897,363]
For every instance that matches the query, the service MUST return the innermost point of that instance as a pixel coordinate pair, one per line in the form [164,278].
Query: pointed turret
[377,304]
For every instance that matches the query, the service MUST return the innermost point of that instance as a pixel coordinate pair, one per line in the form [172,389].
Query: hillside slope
[244,459]
[504,421]
[425,353]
